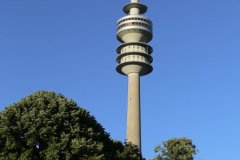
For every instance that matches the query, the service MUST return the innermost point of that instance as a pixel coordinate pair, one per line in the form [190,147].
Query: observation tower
[134,59]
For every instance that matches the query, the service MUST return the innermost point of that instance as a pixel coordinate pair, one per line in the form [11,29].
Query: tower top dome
[142,8]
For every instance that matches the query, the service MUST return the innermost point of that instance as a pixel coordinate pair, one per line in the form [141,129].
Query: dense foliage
[176,149]
[47,126]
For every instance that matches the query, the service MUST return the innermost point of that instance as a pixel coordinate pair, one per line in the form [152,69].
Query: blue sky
[69,47]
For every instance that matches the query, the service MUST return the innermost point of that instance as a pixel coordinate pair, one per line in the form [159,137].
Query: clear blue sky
[69,47]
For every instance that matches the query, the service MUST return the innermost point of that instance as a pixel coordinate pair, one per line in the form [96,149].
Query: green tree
[46,125]
[176,149]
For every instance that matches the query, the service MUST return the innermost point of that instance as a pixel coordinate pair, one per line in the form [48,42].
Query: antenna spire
[134,1]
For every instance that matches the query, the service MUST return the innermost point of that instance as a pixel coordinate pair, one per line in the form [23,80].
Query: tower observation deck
[134,59]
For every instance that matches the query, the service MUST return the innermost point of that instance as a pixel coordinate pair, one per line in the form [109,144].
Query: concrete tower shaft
[134,59]
[134,110]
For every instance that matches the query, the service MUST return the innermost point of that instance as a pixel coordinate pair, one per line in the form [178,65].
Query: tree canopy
[176,149]
[46,125]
